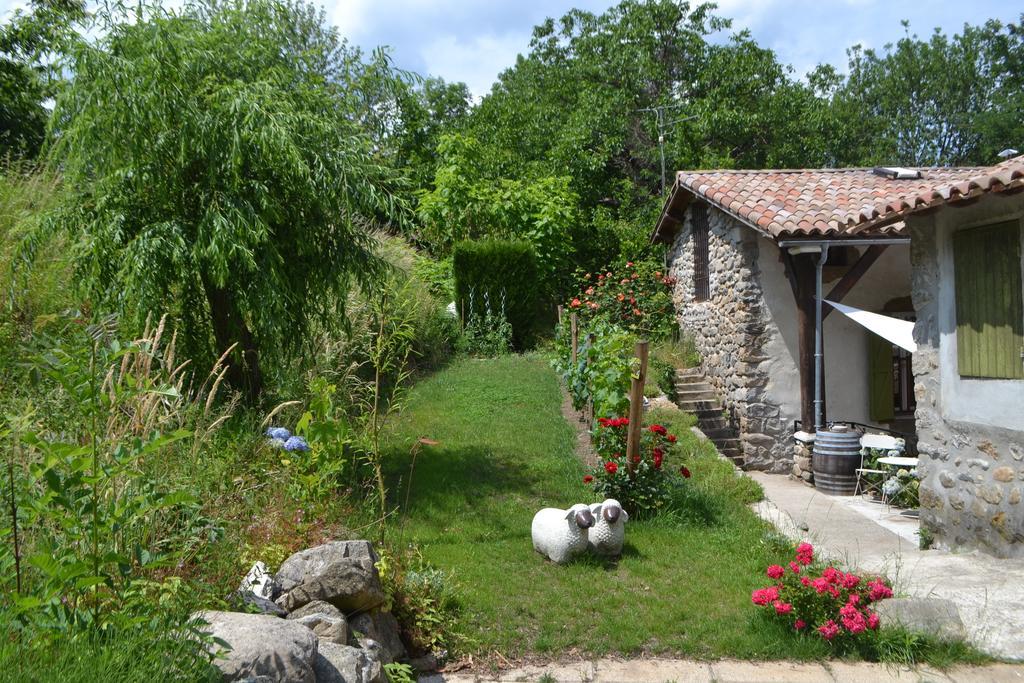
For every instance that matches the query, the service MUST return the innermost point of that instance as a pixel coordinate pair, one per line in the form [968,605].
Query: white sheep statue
[607,534]
[560,534]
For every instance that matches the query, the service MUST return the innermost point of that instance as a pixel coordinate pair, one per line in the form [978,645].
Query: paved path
[730,671]
[988,592]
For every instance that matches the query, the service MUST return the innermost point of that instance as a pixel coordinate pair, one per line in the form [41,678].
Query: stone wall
[731,331]
[972,475]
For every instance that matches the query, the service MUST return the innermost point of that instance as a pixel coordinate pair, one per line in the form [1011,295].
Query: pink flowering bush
[832,604]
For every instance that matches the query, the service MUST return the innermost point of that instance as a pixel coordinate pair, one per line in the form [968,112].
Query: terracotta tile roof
[851,202]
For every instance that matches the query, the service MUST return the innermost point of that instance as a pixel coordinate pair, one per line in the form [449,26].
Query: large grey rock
[316,607]
[343,664]
[381,627]
[342,573]
[310,563]
[262,647]
[928,616]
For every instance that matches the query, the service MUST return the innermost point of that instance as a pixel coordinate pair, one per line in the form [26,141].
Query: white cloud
[476,61]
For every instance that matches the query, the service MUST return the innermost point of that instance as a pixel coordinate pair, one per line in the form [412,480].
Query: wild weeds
[89,521]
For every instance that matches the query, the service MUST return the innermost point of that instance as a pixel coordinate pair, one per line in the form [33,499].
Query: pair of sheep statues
[559,535]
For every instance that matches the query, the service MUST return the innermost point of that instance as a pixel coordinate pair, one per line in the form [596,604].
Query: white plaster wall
[845,342]
[990,402]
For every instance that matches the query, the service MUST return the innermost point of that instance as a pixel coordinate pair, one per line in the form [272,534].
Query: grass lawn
[682,586]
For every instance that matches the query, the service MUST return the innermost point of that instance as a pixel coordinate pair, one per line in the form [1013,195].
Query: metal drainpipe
[818,354]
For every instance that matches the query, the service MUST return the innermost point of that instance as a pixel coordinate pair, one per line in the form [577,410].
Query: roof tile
[839,201]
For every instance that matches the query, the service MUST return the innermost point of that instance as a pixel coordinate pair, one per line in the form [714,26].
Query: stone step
[689,372]
[728,444]
[697,406]
[695,394]
[713,423]
[720,434]
[691,381]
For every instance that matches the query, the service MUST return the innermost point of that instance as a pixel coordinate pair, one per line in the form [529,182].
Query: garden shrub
[601,374]
[832,604]
[498,274]
[636,296]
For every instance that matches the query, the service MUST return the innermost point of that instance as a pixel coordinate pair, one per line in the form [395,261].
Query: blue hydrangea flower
[891,487]
[277,443]
[296,443]
[278,433]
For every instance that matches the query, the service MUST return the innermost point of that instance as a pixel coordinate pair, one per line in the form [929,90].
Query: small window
[989,309]
[701,279]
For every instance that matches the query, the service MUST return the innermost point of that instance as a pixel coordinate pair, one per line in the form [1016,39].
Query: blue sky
[474,40]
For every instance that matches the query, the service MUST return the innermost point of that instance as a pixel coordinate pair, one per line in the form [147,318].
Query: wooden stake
[561,312]
[575,331]
[636,406]
[591,338]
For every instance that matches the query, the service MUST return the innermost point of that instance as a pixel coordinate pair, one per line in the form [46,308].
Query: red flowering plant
[644,484]
[830,604]
[636,296]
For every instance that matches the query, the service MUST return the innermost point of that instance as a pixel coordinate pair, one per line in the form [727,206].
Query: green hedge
[489,268]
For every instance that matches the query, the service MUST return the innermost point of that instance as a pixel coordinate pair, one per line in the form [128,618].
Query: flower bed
[644,483]
[832,604]
[636,297]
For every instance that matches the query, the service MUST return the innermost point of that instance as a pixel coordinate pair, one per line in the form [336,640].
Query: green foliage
[26,195]
[159,642]
[486,335]
[89,522]
[31,47]
[469,202]
[923,102]
[601,375]
[217,171]
[498,275]
[396,672]
[423,599]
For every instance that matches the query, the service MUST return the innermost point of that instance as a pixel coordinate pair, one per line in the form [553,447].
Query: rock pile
[321,620]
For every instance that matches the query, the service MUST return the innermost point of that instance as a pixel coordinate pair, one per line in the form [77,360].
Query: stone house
[756,252]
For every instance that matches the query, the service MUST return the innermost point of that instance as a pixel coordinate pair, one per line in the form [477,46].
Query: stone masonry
[972,476]
[730,331]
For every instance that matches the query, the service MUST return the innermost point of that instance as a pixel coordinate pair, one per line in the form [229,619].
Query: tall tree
[939,101]
[31,50]
[217,171]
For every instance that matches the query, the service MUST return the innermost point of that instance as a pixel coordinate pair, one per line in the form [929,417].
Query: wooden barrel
[836,459]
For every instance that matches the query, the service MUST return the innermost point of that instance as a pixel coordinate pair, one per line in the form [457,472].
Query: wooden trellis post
[575,332]
[636,406]
[591,338]
[561,311]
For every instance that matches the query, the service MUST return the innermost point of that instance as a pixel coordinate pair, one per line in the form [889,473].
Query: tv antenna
[663,127]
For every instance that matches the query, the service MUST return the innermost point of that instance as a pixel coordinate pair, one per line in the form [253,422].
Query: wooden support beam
[800,271]
[853,276]
[636,407]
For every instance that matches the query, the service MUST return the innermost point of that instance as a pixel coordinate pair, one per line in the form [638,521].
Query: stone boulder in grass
[342,573]
[262,647]
[343,664]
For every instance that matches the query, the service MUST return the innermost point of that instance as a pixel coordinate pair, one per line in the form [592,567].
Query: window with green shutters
[989,294]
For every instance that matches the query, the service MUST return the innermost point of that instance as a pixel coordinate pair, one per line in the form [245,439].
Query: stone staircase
[695,395]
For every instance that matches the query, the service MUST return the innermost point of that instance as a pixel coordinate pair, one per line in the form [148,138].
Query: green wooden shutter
[989,308]
[881,406]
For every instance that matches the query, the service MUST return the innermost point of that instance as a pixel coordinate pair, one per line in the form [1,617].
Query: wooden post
[575,332]
[591,338]
[803,279]
[560,310]
[636,406]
